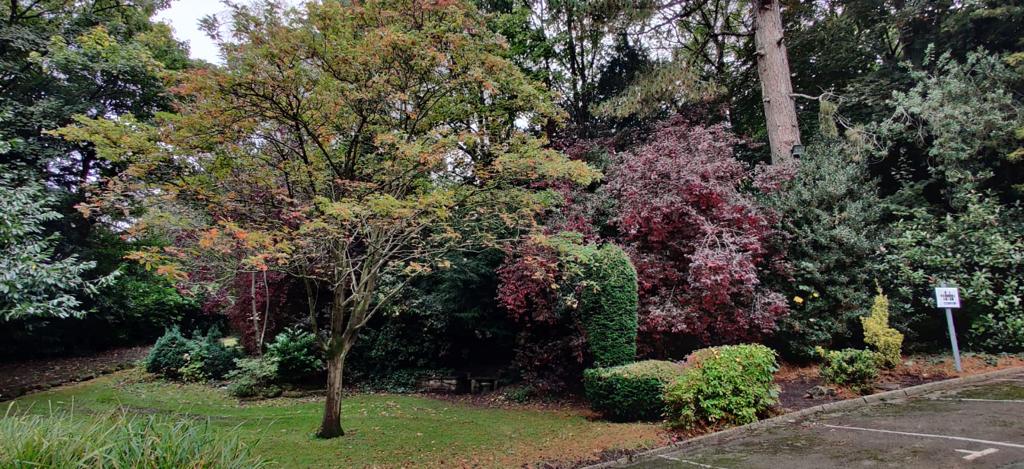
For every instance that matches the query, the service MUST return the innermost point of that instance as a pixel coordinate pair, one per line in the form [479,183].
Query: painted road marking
[694,463]
[1017,401]
[930,435]
[972,455]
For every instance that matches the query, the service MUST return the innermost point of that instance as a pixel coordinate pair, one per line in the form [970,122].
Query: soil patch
[22,377]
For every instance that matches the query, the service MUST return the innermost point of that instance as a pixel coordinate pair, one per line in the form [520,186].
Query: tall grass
[117,441]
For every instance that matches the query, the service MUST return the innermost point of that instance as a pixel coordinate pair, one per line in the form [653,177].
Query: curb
[791,417]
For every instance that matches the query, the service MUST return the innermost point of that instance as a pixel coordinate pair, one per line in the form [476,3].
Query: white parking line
[693,463]
[972,455]
[929,435]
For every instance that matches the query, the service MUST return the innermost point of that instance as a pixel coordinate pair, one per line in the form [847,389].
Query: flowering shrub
[700,245]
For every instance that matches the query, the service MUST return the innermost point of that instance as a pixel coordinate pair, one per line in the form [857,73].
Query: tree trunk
[330,427]
[776,86]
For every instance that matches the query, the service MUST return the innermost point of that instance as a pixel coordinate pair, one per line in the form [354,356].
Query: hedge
[608,307]
[630,392]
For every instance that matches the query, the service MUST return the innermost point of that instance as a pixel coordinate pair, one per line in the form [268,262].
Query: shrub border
[712,438]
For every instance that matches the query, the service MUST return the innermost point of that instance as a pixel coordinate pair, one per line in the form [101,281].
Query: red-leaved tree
[699,244]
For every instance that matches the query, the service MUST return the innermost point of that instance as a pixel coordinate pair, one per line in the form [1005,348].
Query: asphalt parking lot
[980,425]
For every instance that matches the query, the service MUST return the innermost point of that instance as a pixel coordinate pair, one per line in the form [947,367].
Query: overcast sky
[184,15]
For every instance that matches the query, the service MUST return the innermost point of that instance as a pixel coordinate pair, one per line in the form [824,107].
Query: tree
[701,247]
[35,280]
[776,85]
[348,146]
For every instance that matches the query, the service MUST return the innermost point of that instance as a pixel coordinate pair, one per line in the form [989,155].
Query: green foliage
[119,441]
[254,377]
[728,385]
[399,381]
[886,341]
[169,354]
[853,368]
[138,307]
[519,394]
[200,358]
[217,359]
[297,355]
[978,249]
[832,216]
[35,280]
[957,215]
[608,307]
[630,392]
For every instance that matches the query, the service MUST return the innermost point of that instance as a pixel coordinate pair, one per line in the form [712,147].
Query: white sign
[947,297]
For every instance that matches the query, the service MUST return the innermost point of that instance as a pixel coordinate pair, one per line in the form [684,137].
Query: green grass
[382,430]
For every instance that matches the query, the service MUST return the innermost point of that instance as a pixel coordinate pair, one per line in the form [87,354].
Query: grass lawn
[382,430]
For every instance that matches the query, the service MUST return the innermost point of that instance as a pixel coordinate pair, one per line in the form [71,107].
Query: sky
[184,16]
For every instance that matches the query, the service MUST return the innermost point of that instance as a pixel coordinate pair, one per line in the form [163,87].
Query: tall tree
[349,146]
[776,85]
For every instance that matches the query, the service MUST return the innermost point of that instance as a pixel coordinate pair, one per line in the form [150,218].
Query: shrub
[118,442]
[726,385]
[197,359]
[832,218]
[853,368]
[702,247]
[219,358]
[168,354]
[519,394]
[254,377]
[886,341]
[630,392]
[297,355]
[609,307]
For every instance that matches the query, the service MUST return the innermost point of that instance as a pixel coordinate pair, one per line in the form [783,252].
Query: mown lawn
[382,430]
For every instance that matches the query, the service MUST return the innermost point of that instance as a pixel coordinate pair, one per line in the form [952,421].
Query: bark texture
[330,427]
[776,85]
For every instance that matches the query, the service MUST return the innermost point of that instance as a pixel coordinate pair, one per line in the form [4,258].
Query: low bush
[297,355]
[729,385]
[630,392]
[118,442]
[519,394]
[886,341]
[254,377]
[853,368]
[169,354]
[200,358]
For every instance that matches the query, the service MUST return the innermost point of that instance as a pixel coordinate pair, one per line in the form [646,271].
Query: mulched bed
[22,377]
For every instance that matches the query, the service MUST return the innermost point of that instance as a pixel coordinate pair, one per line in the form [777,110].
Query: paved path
[978,425]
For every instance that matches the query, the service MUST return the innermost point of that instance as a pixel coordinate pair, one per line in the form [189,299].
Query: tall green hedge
[608,307]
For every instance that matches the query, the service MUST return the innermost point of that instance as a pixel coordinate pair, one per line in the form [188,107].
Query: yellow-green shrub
[886,341]
[728,385]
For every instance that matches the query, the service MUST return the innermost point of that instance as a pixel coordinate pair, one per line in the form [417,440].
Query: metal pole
[952,339]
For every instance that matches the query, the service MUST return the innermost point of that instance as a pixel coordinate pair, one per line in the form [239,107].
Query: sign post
[949,298]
